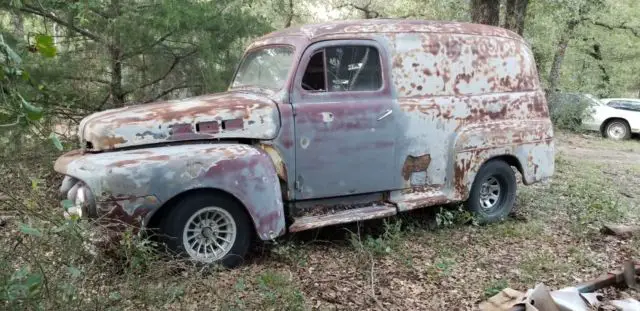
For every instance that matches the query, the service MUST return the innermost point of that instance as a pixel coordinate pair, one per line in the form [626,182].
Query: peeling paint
[453,96]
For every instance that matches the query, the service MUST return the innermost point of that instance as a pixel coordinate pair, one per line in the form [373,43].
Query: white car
[615,118]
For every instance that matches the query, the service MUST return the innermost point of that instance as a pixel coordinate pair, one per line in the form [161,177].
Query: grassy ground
[401,263]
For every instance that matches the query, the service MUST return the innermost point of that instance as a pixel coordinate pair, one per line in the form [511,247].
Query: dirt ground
[415,262]
[553,238]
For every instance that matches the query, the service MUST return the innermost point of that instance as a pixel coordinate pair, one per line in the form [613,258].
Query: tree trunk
[516,12]
[558,57]
[485,12]
[289,19]
[115,51]
[18,24]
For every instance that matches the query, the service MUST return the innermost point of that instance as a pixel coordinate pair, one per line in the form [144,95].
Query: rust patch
[208,127]
[235,124]
[415,164]
[136,161]
[181,128]
[111,141]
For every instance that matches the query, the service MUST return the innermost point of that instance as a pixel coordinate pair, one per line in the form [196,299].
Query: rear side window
[625,105]
[344,69]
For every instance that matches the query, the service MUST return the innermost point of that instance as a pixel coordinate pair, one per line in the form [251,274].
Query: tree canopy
[60,60]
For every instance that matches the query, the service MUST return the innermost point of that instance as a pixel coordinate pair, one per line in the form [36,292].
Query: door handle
[385,114]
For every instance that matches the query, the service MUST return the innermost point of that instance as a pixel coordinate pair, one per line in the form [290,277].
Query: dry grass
[398,264]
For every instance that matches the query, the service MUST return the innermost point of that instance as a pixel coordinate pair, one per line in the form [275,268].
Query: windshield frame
[263,47]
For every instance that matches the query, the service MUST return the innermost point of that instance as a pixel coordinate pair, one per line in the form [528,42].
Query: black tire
[174,224]
[505,177]
[620,123]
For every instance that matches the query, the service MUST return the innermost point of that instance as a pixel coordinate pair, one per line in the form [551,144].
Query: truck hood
[223,115]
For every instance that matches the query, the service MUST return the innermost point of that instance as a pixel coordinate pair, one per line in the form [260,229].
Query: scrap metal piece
[626,304]
[541,299]
[609,279]
[571,299]
[629,273]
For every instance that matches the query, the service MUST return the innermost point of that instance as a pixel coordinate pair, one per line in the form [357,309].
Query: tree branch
[12,124]
[368,13]
[29,9]
[622,26]
[171,89]
[175,62]
[97,80]
[142,49]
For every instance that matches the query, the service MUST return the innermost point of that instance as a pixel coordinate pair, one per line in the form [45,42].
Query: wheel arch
[155,217]
[606,122]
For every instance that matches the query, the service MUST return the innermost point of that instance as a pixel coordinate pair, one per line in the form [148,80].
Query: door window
[343,69]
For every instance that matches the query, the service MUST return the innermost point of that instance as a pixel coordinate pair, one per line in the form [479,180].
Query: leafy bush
[568,110]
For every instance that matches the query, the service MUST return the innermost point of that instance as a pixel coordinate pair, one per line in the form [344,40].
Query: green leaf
[13,56]
[67,204]
[34,282]
[34,183]
[20,273]
[30,230]
[74,272]
[56,141]
[115,296]
[33,113]
[45,45]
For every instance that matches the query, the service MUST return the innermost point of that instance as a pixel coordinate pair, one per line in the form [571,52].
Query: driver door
[345,120]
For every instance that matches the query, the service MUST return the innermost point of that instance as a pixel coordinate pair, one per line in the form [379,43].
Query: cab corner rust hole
[415,164]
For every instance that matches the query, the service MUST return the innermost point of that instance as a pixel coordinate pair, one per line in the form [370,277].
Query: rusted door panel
[344,141]
[342,148]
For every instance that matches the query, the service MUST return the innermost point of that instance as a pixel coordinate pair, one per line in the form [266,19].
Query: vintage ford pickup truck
[321,125]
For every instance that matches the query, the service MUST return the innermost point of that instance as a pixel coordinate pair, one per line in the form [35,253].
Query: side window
[344,68]
[314,77]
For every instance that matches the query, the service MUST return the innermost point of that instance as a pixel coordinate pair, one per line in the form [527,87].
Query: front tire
[209,228]
[617,130]
[493,192]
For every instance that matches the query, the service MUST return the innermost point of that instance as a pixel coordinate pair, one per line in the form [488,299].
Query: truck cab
[322,124]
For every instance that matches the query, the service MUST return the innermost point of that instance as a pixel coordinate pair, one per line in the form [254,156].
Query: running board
[379,210]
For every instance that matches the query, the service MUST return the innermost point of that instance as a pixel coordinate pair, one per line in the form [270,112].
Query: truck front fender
[134,184]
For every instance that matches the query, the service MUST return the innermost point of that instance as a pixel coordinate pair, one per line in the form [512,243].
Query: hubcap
[617,131]
[209,234]
[489,193]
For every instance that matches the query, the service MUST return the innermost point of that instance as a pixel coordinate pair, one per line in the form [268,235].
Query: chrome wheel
[209,234]
[489,193]
[617,130]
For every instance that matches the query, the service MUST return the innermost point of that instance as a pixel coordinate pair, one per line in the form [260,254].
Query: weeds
[495,287]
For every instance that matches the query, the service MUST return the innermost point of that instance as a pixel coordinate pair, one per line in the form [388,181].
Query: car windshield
[265,68]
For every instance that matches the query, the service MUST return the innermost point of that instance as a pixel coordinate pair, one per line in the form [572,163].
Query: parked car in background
[615,118]
[322,125]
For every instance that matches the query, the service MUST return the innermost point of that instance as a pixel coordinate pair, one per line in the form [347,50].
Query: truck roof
[313,31]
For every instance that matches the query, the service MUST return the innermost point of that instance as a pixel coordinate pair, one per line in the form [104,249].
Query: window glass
[625,105]
[265,68]
[344,68]
[314,78]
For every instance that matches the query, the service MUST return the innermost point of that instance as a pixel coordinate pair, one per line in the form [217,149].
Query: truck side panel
[466,99]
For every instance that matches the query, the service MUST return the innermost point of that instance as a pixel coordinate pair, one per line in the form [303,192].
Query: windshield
[265,68]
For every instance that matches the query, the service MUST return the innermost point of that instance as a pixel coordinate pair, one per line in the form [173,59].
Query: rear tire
[617,130]
[493,192]
[209,228]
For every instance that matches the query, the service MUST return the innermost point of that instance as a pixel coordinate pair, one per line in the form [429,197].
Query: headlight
[83,201]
